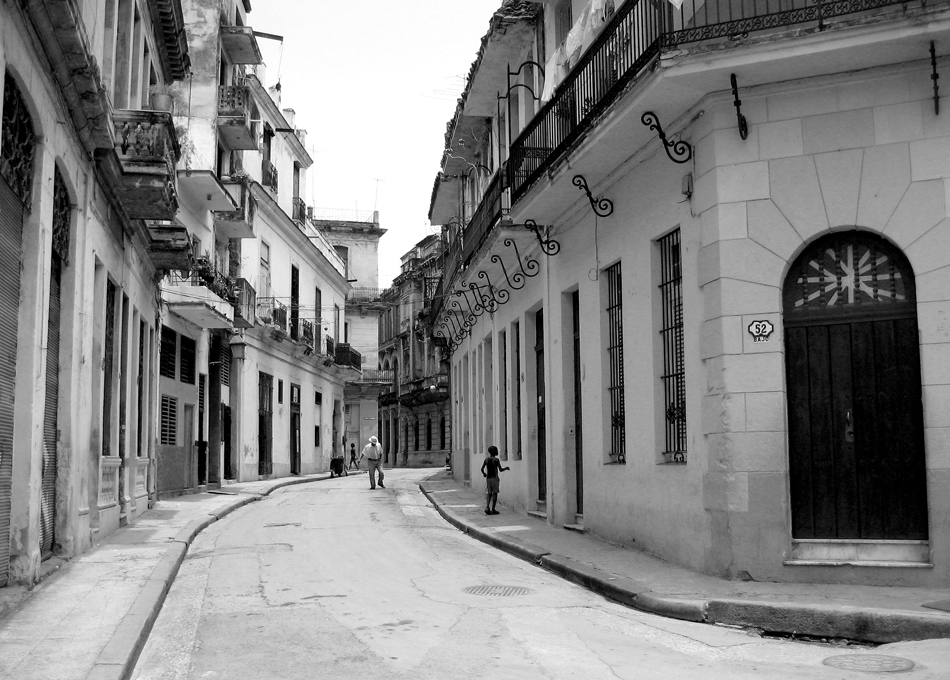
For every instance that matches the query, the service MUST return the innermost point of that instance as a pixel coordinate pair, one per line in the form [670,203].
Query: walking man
[353,462]
[373,453]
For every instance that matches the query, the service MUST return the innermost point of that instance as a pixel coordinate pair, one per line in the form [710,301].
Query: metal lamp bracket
[602,207]
[741,121]
[678,151]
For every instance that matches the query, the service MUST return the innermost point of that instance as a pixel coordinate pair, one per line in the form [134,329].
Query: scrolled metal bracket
[679,151]
[934,76]
[742,122]
[602,207]
[549,246]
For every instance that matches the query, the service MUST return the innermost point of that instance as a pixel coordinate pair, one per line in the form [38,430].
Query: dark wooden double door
[856,445]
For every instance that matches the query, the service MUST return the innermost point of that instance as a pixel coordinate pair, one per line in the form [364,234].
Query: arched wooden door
[856,445]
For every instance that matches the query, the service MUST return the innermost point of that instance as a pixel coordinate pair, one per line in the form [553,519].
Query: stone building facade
[698,297]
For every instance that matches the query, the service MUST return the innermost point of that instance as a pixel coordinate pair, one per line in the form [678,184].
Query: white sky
[374,83]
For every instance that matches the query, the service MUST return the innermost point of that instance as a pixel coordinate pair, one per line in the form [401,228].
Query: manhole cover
[869,663]
[497,591]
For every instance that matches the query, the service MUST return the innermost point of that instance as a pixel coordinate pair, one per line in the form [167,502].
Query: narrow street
[333,580]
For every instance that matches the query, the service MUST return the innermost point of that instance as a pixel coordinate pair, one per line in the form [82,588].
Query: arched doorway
[17,158]
[855,417]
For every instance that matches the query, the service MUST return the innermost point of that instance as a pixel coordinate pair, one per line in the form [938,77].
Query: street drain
[497,591]
[283,524]
[869,663]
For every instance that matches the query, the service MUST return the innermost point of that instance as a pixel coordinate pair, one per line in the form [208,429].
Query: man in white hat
[373,453]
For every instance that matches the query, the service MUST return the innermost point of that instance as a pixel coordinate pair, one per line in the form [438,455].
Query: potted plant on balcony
[161,98]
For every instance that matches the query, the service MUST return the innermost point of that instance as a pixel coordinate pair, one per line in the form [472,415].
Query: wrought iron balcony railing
[347,356]
[331,347]
[269,175]
[204,274]
[493,205]
[306,335]
[272,312]
[628,43]
[244,300]
[376,375]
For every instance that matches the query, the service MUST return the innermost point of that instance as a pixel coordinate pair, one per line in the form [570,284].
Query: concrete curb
[870,625]
[117,659]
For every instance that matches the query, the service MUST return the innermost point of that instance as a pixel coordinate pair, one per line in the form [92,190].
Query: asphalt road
[332,580]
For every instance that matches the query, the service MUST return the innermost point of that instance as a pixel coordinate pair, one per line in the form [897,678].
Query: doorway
[856,444]
[539,374]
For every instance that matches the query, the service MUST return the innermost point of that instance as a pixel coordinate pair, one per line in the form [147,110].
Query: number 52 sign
[761,330]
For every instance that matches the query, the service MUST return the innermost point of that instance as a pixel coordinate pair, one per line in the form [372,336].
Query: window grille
[201,391]
[18,147]
[169,349]
[62,212]
[671,333]
[428,434]
[186,361]
[265,424]
[618,437]
[108,364]
[280,391]
[516,390]
[169,429]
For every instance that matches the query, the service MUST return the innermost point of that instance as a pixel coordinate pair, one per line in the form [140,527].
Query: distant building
[355,237]
[697,278]
[414,410]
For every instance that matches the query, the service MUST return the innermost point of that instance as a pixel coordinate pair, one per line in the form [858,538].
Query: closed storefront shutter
[11,220]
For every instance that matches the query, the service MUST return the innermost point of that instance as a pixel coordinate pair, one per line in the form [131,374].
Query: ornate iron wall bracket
[679,151]
[502,297]
[548,245]
[934,76]
[602,207]
[742,122]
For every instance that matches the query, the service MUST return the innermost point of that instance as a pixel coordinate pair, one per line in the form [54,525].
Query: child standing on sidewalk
[490,469]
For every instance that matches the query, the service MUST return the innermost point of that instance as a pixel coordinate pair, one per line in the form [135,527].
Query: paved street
[333,580]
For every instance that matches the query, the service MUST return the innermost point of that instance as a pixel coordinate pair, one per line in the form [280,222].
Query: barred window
[186,361]
[671,334]
[168,352]
[618,438]
[169,429]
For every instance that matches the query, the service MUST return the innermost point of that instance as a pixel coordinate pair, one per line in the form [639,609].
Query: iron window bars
[618,438]
[671,334]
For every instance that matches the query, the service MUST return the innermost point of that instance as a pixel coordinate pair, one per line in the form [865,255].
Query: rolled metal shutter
[11,224]
[48,503]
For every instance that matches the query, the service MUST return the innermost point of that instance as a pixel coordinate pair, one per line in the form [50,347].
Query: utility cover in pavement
[869,663]
[497,591]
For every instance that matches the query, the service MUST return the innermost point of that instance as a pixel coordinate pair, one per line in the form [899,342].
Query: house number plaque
[761,330]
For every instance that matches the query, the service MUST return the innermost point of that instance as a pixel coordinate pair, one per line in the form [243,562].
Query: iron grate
[497,591]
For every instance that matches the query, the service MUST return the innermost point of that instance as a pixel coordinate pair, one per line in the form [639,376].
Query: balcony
[170,246]
[202,297]
[428,390]
[269,175]
[299,212]
[240,45]
[147,151]
[305,334]
[330,347]
[235,130]
[364,295]
[244,299]
[632,39]
[347,356]
[237,223]
[493,205]
[378,376]
[272,313]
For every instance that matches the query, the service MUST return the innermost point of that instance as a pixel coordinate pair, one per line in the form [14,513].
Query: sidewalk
[868,613]
[90,619]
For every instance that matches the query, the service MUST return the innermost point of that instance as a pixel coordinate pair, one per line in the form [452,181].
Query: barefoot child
[493,466]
